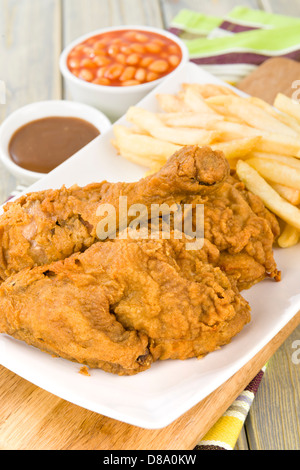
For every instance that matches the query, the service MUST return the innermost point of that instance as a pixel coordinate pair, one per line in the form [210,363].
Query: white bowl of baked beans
[114,68]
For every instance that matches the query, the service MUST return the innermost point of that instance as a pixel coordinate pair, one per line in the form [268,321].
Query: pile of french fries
[261,142]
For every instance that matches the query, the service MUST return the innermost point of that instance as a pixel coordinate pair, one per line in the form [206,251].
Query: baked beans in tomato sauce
[124,58]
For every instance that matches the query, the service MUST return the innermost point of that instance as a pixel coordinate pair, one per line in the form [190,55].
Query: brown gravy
[44,144]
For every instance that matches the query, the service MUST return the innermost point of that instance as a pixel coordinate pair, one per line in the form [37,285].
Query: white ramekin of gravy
[38,137]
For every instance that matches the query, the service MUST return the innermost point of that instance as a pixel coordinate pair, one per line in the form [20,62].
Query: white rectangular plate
[156,397]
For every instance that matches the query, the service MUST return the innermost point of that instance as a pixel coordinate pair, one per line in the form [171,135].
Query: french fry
[269,142]
[182,136]
[272,200]
[284,159]
[185,136]
[142,145]
[229,130]
[234,130]
[195,102]
[198,120]
[138,130]
[288,106]
[280,144]
[207,90]
[284,118]
[221,110]
[292,195]
[171,103]
[252,115]
[276,172]
[237,148]
[290,236]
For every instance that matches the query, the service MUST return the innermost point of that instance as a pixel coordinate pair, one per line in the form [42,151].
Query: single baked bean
[101,60]
[131,83]
[159,66]
[133,59]
[159,41]
[174,60]
[76,72]
[153,47]
[79,48]
[74,55]
[130,35]
[125,49]
[140,75]
[173,49]
[99,45]
[114,71]
[101,81]
[138,47]
[152,76]
[121,58]
[88,51]
[102,72]
[113,49]
[146,61]
[74,63]
[116,41]
[141,37]
[88,63]
[128,74]
[86,74]
[100,52]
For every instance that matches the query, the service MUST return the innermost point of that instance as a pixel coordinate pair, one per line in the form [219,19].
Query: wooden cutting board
[33,419]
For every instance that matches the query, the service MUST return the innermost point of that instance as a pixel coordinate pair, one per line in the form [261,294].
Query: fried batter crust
[50,225]
[123,304]
[243,230]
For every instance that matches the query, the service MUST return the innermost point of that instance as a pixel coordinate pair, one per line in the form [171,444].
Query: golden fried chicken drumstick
[123,304]
[50,225]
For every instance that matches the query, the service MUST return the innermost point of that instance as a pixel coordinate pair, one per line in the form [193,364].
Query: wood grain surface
[33,33]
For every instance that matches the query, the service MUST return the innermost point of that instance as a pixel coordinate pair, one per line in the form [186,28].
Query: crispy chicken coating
[50,225]
[123,304]
[243,230]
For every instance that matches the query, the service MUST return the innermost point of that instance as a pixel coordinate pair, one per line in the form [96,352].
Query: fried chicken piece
[243,230]
[125,303]
[50,225]
[122,304]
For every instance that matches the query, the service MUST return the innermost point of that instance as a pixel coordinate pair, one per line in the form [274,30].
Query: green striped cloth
[233,46]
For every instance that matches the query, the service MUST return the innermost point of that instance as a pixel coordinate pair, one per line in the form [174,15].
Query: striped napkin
[233,46]
[225,432]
